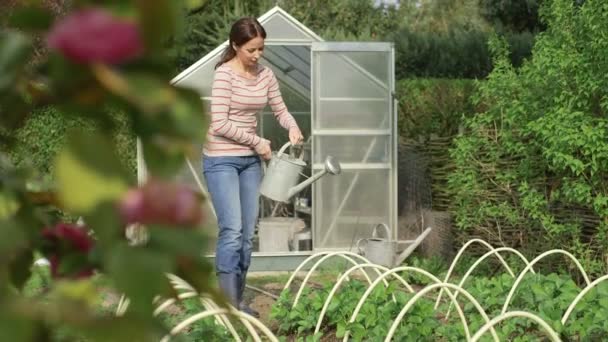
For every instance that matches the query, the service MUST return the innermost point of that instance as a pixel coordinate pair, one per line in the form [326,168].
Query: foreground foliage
[105,65]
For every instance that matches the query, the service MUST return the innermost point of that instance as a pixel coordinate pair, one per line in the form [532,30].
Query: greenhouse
[342,96]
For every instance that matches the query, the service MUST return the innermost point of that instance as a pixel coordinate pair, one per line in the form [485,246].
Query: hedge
[43,135]
[453,54]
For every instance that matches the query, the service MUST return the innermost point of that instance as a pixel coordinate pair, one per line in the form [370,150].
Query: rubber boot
[229,284]
[242,306]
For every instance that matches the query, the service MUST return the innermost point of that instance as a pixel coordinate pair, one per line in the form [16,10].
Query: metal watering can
[280,182]
[385,251]
[378,250]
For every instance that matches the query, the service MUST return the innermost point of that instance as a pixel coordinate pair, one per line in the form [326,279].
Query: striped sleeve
[221,94]
[275,100]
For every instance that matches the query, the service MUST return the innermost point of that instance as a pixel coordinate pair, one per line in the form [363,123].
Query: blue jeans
[233,184]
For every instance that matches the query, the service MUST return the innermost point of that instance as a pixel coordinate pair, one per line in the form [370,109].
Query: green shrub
[433,106]
[534,163]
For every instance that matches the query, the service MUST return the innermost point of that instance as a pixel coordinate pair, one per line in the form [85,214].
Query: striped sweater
[235,104]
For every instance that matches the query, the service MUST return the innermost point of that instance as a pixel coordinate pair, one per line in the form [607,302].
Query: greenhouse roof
[287,54]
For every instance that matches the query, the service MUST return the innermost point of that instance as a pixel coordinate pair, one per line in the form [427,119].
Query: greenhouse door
[354,120]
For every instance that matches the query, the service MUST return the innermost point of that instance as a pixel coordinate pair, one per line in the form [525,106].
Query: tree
[441,16]
[513,15]
[208,25]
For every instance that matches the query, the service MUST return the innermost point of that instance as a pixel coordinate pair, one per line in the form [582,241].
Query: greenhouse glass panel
[353,120]
[354,149]
[344,77]
[372,64]
[361,200]
[292,62]
[282,30]
[353,112]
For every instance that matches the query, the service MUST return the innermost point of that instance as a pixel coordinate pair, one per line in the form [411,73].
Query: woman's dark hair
[242,31]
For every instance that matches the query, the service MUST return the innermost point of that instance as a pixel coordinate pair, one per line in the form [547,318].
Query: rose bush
[67,247]
[103,57]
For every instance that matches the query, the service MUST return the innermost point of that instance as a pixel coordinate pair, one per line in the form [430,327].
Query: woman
[231,162]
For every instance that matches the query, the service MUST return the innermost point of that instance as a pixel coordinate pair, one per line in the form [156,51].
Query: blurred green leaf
[126,328]
[179,241]
[82,291]
[15,48]
[162,159]
[14,109]
[147,92]
[30,18]
[67,78]
[193,4]
[104,220]
[140,274]
[159,65]
[73,90]
[188,113]
[12,237]
[72,264]
[158,19]
[8,205]
[157,107]
[198,272]
[187,245]
[20,268]
[89,172]
[13,327]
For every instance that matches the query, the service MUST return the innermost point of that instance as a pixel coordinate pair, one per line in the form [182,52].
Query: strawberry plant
[202,330]
[547,296]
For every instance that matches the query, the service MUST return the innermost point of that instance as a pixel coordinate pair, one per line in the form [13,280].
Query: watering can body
[378,250]
[282,175]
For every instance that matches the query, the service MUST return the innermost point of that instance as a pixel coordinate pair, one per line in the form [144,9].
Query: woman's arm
[286,120]
[275,100]
[221,94]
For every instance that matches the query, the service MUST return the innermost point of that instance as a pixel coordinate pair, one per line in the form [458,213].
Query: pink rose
[163,203]
[94,35]
[68,241]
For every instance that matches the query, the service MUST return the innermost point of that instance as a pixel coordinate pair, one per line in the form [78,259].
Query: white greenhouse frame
[286,35]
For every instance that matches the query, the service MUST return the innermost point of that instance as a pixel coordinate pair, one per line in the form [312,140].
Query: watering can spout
[332,166]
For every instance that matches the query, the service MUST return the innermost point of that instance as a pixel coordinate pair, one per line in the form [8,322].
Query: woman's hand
[263,149]
[295,135]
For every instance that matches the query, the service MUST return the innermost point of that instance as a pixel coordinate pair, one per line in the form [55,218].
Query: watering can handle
[386,230]
[284,147]
[361,252]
